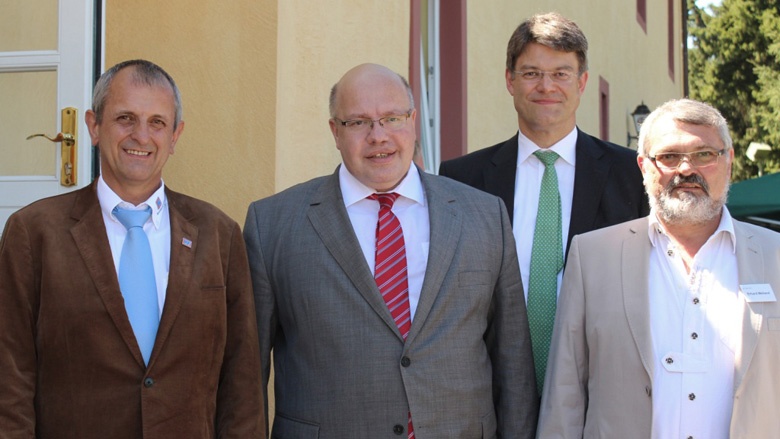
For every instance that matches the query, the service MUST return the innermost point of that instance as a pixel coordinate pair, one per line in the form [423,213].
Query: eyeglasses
[559,76]
[392,122]
[697,159]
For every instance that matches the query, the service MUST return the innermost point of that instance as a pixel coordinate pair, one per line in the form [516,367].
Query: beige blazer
[599,376]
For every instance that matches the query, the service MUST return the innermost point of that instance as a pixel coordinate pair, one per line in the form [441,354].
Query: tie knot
[385,200]
[132,218]
[546,157]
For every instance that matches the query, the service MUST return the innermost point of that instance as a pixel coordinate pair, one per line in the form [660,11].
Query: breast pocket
[474,278]
[287,428]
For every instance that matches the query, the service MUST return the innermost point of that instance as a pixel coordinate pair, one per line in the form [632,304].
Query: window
[603,109]
[641,14]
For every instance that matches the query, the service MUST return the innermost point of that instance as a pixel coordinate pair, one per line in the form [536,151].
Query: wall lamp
[638,116]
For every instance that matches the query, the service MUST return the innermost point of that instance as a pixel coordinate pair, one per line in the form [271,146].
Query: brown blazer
[71,367]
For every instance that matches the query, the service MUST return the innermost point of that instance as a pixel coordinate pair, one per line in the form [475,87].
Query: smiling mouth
[381,155]
[138,153]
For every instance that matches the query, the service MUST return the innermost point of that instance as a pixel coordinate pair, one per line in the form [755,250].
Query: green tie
[546,262]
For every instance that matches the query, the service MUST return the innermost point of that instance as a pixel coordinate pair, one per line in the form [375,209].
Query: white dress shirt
[695,321]
[410,208]
[157,228]
[528,182]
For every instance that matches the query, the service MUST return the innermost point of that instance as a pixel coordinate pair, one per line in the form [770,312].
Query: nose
[141,133]
[377,133]
[545,82]
[685,167]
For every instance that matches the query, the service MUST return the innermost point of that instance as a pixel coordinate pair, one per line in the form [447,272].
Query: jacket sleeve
[265,302]
[18,309]
[565,399]
[239,399]
[509,343]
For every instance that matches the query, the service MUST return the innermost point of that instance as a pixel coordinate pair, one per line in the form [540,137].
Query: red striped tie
[390,267]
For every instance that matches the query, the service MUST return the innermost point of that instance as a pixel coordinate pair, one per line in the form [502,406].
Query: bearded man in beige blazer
[669,325]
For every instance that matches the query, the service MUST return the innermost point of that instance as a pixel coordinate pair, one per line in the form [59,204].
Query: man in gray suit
[668,324]
[447,352]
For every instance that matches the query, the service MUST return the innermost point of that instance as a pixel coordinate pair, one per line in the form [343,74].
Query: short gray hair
[685,111]
[144,72]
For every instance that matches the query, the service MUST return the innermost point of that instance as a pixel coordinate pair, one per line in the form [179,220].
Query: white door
[46,64]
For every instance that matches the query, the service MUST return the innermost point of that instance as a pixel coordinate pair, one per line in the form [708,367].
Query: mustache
[679,180]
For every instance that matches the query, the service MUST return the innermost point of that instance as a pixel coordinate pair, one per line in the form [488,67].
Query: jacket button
[398,429]
[405,361]
[148,382]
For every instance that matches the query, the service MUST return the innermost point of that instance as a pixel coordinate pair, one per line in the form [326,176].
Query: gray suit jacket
[342,369]
[599,377]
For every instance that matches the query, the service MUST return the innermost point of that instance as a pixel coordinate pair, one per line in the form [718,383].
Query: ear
[94,129]
[176,133]
[334,129]
[509,81]
[582,81]
[640,159]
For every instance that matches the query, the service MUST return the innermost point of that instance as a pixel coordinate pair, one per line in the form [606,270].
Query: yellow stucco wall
[318,42]
[222,56]
[255,78]
[621,55]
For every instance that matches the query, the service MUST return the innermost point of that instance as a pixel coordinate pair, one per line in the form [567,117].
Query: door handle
[68,140]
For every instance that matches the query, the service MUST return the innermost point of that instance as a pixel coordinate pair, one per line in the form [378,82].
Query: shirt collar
[109,200]
[565,148]
[726,226]
[353,191]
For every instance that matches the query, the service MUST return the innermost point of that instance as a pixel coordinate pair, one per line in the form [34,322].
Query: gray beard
[687,208]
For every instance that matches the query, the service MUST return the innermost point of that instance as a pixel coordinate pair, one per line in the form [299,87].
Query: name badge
[758,293]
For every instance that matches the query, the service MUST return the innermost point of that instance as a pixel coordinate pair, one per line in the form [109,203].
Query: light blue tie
[136,279]
[546,262]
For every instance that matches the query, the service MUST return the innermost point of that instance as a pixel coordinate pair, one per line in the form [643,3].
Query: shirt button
[148,382]
[694,336]
[398,429]
[669,360]
[405,361]
[670,252]
[692,396]
[695,300]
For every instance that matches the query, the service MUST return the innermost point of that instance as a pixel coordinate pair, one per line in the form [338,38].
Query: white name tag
[758,293]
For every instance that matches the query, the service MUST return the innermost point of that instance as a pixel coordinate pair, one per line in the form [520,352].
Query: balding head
[372,121]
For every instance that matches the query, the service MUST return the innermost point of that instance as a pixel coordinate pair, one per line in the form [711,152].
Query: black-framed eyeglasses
[697,159]
[392,122]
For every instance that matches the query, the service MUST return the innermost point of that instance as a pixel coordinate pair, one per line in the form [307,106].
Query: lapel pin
[186,242]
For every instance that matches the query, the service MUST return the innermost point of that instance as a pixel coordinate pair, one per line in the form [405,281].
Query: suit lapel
[89,234]
[500,181]
[750,266]
[445,230]
[330,220]
[590,178]
[635,263]
[184,246]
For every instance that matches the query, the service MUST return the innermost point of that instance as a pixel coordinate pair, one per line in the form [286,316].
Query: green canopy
[756,197]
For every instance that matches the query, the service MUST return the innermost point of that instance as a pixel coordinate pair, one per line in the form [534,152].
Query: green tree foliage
[734,64]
